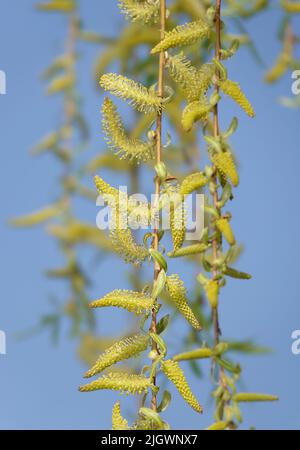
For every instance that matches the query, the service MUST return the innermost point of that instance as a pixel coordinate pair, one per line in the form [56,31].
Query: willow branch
[162,61]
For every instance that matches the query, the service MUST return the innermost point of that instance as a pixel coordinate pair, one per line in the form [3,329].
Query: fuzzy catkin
[183,35]
[176,375]
[135,302]
[225,164]
[177,293]
[120,351]
[137,95]
[119,381]
[118,422]
[192,183]
[143,11]
[212,292]
[195,111]
[124,146]
[233,90]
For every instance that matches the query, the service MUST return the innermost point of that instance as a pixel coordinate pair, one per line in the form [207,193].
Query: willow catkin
[195,111]
[176,375]
[124,245]
[233,90]
[177,293]
[66,6]
[144,11]
[192,183]
[225,164]
[120,351]
[135,302]
[118,422]
[119,381]
[183,35]
[290,6]
[124,146]
[224,227]
[177,225]
[137,95]
[38,217]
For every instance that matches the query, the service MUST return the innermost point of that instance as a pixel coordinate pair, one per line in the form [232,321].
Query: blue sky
[38,381]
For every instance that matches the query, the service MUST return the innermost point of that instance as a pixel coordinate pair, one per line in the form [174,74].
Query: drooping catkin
[225,164]
[118,422]
[177,293]
[120,351]
[143,99]
[192,182]
[224,227]
[119,381]
[124,146]
[145,11]
[233,90]
[183,35]
[177,224]
[176,375]
[124,245]
[135,302]
[38,217]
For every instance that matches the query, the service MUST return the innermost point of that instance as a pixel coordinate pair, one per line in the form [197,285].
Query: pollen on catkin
[224,227]
[183,35]
[233,90]
[137,95]
[225,164]
[177,293]
[124,146]
[192,182]
[177,224]
[146,11]
[135,302]
[176,375]
[120,351]
[119,381]
[118,422]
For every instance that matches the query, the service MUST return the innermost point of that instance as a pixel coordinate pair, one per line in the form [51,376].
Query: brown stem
[153,327]
[215,315]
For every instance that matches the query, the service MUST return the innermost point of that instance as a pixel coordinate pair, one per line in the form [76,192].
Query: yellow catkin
[192,183]
[146,11]
[119,381]
[120,351]
[177,224]
[79,232]
[218,426]
[177,293]
[137,95]
[212,292]
[224,227]
[253,397]
[124,146]
[57,5]
[199,353]
[290,7]
[38,217]
[118,422]
[233,90]
[281,65]
[194,112]
[226,166]
[194,249]
[183,35]
[60,84]
[176,375]
[131,301]
[124,245]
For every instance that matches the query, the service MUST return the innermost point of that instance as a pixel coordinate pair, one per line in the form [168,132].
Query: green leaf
[166,399]
[162,324]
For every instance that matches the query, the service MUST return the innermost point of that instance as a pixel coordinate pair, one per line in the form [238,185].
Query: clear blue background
[38,381]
